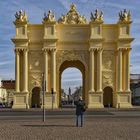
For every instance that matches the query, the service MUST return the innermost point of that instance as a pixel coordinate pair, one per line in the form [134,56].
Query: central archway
[75,64]
[71,86]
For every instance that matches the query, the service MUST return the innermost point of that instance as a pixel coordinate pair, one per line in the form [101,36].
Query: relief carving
[108,68]
[72,55]
[35,60]
[108,61]
[35,79]
[108,79]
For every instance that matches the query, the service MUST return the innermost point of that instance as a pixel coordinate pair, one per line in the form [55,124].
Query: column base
[49,99]
[95,100]
[20,100]
[122,100]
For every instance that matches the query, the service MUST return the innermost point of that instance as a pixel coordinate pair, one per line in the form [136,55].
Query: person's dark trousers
[78,117]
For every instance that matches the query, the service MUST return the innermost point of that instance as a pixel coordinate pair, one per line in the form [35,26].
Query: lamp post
[43,90]
[52,97]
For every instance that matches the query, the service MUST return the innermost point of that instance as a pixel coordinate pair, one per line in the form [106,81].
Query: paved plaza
[63,128]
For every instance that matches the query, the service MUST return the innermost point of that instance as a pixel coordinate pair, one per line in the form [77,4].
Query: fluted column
[119,70]
[17,67]
[99,70]
[46,68]
[53,75]
[25,71]
[127,69]
[91,82]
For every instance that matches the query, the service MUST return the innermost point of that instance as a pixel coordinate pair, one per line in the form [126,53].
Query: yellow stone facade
[100,51]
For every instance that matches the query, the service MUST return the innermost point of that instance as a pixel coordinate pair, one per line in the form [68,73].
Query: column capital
[92,49]
[128,49]
[53,49]
[49,49]
[45,49]
[17,50]
[95,49]
[99,49]
[25,49]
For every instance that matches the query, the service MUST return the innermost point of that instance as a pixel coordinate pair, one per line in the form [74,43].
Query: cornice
[50,39]
[20,40]
[73,42]
[124,39]
[96,39]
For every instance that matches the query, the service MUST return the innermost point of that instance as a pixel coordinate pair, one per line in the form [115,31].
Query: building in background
[3,94]
[135,88]
[9,88]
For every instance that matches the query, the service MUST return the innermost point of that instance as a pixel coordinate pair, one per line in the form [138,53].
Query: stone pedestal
[20,100]
[49,99]
[122,100]
[95,100]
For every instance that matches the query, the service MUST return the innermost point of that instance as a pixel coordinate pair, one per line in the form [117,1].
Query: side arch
[36,101]
[108,97]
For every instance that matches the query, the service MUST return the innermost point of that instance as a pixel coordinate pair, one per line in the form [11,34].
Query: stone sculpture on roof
[72,17]
[21,16]
[124,16]
[49,17]
[97,16]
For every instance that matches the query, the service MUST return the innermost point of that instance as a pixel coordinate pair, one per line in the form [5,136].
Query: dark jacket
[80,107]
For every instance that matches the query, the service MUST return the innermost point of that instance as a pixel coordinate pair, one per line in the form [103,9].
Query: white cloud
[65,3]
[6,63]
[119,5]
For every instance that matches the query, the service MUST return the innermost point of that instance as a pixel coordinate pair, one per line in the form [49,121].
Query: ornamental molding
[72,55]
[72,17]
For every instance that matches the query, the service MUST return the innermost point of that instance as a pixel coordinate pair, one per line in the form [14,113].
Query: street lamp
[52,97]
[43,90]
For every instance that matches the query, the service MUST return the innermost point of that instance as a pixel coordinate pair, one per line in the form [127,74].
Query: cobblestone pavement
[64,129]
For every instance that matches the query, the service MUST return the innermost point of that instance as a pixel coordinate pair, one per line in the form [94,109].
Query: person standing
[80,109]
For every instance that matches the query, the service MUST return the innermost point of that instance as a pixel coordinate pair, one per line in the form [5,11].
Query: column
[17,74]
[119,70]
[127,80]
[53,56]
[91,70]
[25,70]
[99,70]
[46,68]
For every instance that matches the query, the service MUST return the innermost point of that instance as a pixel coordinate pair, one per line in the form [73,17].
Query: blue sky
[35,10]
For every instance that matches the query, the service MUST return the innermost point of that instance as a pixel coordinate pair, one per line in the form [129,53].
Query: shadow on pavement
[49,125]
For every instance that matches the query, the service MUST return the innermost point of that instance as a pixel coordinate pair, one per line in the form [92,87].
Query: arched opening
[108,97]
[36,97]
[71,86]
[71,83]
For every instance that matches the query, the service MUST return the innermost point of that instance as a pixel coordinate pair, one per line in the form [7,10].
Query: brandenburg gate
[100,51]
